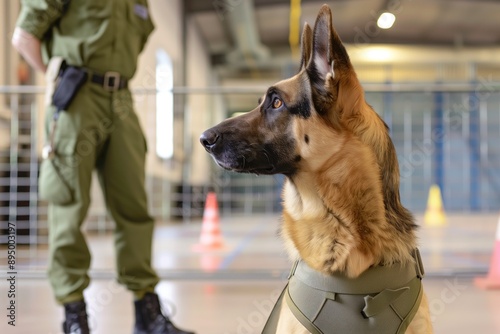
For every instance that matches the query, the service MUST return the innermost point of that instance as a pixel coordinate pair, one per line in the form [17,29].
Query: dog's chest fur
[333,215]
[313,233]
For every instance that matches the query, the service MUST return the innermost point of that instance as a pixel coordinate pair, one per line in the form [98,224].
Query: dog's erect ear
[328,64]
[328,52]
[306,46]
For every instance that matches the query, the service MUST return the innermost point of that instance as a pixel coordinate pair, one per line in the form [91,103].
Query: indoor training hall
[139,228]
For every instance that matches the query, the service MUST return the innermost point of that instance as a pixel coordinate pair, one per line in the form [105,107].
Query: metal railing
[445,134]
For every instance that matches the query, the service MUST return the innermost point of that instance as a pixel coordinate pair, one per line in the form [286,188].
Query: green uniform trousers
[101,131]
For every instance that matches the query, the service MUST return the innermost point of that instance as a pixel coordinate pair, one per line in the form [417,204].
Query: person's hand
[29,47]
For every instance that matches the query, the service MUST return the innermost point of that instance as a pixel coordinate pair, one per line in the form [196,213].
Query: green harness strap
[381,300]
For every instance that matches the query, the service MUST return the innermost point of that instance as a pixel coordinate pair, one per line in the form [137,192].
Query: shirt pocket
[95,9]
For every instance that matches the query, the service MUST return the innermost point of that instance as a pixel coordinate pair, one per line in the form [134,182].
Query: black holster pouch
[70,81]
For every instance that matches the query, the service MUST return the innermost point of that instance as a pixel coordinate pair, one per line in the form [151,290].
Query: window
[164,105]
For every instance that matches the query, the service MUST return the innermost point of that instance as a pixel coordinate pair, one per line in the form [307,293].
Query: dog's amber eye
[277,103]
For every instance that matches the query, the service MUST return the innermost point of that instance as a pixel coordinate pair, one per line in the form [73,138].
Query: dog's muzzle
[209,140]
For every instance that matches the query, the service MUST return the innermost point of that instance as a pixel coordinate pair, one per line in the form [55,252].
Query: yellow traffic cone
[434,215]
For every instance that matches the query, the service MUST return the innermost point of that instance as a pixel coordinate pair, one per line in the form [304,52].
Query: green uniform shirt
[102,35]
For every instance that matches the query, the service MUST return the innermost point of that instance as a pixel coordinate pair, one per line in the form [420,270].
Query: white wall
[199,106]
[167,16]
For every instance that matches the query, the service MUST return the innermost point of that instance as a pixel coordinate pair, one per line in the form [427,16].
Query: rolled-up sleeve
[37,16]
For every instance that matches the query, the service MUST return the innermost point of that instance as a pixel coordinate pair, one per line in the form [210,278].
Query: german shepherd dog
[342,211]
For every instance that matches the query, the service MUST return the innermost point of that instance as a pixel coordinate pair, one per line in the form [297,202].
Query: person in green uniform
[94,45]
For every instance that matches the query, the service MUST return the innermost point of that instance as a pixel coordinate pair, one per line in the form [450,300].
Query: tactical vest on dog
[382,300]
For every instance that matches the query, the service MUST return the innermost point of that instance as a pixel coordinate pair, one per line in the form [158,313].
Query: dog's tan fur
[334,215]
[338,196]
[342,211]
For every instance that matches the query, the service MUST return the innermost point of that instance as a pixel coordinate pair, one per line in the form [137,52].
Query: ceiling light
[386,20]
[379,54]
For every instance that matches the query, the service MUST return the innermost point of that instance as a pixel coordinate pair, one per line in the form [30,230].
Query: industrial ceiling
[260,28]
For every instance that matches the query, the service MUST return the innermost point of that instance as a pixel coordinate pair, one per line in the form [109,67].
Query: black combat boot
[76,318]
[150,320]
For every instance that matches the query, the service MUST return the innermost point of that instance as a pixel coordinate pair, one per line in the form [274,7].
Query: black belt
[110,81]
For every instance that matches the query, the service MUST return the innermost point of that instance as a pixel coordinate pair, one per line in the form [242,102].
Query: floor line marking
[242,245]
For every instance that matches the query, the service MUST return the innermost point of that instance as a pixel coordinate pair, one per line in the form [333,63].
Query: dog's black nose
[209,139]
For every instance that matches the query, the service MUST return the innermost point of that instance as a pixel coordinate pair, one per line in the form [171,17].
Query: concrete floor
[231,291]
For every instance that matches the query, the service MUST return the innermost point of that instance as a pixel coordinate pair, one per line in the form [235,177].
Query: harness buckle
[419,265]
[111,81]
[292,271]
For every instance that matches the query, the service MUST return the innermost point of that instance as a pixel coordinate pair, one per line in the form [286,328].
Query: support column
[474,153]
[438,128]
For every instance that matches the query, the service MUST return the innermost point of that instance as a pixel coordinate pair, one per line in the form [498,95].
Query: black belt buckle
[111,81]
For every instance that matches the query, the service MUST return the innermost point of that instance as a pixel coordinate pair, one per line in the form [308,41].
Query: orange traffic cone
[210,261]
[434,215]
[211,236]
[492,281]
